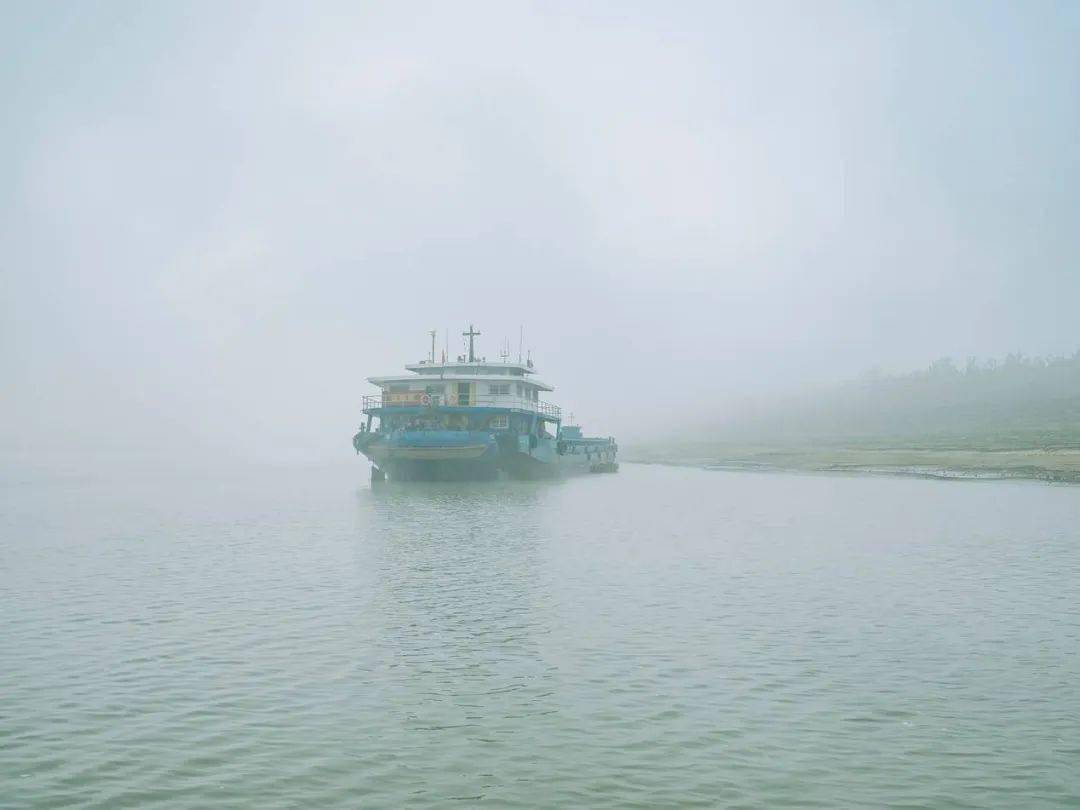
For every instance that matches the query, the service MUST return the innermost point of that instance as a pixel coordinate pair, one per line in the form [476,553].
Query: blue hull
[468,456]
[433,470]
[477,455]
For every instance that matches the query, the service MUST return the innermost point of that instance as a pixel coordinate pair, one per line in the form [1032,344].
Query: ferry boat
[470,419]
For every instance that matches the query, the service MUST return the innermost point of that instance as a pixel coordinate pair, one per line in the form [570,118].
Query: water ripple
[662,637]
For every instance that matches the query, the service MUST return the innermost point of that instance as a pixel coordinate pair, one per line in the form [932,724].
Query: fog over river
[733,235]
[218,219]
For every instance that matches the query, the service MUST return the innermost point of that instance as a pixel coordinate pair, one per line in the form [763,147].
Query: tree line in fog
[1034,397]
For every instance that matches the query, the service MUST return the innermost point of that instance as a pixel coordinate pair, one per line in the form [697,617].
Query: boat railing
[547,409]
[416,399]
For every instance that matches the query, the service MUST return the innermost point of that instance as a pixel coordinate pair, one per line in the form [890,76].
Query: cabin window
[398,389]
[433,389]
[499,389]
[499,422]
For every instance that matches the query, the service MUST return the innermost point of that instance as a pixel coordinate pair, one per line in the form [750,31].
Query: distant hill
[1015,418]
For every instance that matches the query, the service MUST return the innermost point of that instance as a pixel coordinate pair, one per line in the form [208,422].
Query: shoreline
[1050,465]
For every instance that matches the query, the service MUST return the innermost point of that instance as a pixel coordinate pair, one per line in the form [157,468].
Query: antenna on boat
[472,333]
[521,340]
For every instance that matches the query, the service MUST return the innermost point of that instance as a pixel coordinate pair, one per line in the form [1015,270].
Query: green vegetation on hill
[1018,402]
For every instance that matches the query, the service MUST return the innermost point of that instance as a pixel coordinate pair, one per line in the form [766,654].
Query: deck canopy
[477,367]
[464,372]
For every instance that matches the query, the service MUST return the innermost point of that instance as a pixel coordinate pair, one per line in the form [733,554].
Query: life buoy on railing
[425,399]
[451,399]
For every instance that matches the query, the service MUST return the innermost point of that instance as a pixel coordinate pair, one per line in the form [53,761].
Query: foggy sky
[218,219]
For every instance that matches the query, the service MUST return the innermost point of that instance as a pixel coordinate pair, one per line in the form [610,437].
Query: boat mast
[472,333]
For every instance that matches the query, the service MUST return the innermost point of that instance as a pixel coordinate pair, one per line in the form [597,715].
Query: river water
[660,637]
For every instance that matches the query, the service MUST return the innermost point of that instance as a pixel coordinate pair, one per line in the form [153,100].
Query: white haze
[218,219]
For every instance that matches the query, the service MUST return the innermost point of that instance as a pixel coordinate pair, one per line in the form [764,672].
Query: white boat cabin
[464,384]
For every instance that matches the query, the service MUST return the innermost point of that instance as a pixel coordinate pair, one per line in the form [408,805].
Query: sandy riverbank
[1058,464]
